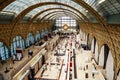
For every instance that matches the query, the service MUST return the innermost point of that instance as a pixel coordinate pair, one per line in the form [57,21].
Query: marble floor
[83,59]
[87,65]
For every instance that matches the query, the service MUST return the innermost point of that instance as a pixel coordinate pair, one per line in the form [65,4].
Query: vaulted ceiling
[101,11]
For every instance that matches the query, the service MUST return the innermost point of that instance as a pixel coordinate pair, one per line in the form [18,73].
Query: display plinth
[19,54]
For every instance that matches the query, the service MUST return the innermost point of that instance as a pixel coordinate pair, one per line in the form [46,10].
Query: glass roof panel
[90,2]
[54,7]
[39,9]
[16,7]
[58,16]
[109,6]
[19,5]
[64,12]
[103,7]
[53,13]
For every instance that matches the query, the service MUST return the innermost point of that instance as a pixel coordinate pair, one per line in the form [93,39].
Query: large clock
[65,27]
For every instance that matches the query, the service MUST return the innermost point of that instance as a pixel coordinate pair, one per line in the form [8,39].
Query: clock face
[65,27]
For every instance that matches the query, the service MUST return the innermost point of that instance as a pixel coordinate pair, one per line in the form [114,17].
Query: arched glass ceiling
[50,14]
[58,16]
[19,5]
[55,16]
[90,2]
[37,10]
[67,13]
[40,16]
[105,7]
[60,13]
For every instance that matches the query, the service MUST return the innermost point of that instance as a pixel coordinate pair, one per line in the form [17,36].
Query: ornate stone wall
[111,38]
[8,32]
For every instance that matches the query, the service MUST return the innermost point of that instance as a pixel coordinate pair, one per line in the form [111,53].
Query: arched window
[96,52]
[106,60]
[4,53]
[94,48]
[17,42]
[29,40]
[101,56]
[88,42]
[110,66]
[37,38]
[104,52]
[46,31]
[42,34]
[69,21]
[93,45]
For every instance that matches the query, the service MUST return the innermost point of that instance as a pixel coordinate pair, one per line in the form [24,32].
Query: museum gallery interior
[59,39]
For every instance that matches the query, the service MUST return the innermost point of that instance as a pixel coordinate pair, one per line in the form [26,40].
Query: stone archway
[118,75]
[106,60]
[93,45]
[101,56]
[88,42]
[96,52]
[110,66]
[94,48]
